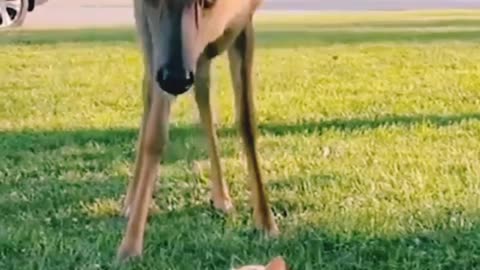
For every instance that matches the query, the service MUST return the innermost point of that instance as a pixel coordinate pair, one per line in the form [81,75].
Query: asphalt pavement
[91,13]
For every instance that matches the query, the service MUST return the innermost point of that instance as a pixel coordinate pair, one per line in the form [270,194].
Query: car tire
[20,15]
[31,5]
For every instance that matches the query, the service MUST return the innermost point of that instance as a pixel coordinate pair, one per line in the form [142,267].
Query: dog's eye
[207,4]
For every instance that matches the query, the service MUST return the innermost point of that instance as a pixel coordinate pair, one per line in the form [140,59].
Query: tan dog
[275,264]
[179,38]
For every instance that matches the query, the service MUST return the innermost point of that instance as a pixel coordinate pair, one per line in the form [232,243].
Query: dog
[179,39]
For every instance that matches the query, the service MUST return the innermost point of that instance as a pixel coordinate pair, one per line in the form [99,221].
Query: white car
[14,12]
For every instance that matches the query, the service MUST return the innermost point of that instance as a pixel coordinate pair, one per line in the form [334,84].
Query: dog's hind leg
[241,63]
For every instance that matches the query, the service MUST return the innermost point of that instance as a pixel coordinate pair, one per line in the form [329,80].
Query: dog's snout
[175,81]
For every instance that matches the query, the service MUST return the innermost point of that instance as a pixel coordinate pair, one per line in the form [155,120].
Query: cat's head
[275,264]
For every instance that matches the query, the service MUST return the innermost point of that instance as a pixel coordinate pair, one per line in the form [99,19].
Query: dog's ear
[277,263]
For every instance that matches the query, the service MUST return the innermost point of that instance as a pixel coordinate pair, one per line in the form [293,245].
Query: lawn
[369,142]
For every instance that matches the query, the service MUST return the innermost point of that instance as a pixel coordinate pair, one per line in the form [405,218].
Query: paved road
[356,5]
[81,13]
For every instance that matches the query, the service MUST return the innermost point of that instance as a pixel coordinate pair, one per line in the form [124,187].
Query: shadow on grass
[302,39]
[190,235]
[208,245]
[266,38]
[349,125]
[401,23]
[195,237]
[122,141]
[183,138]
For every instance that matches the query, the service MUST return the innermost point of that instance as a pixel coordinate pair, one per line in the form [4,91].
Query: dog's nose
[175,81]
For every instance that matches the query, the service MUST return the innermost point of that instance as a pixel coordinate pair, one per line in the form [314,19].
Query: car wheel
[13,13]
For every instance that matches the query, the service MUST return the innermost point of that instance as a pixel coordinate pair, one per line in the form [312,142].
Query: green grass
[369,141]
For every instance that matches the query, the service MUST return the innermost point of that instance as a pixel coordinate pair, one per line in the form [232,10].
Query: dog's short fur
[188,34]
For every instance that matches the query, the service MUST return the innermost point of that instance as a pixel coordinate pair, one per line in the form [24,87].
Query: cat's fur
[277,263]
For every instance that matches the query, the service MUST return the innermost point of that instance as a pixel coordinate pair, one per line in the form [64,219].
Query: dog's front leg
[132,186]
[151,149]
[220,196]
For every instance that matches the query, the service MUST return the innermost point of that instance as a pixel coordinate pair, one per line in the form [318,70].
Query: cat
[277,263]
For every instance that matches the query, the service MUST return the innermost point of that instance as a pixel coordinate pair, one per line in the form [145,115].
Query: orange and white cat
[277,263]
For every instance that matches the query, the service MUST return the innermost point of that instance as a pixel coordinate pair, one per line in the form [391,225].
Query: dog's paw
[222,204]
[266,223]
[128,250]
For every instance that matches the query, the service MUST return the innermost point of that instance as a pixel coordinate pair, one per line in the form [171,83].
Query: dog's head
[181,31]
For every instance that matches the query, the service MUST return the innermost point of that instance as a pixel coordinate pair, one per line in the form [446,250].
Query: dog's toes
[273,231]
[226,206]
[128,251]
[270,230]
[267,224]
[222,204]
